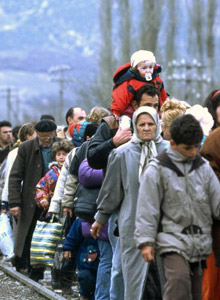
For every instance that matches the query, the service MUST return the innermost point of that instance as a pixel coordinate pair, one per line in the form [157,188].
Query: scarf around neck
[148,148]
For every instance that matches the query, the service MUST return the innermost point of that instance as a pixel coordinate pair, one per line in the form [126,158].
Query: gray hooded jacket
[174,213]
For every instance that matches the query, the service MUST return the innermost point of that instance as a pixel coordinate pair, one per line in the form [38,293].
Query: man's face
[146,127]
[78,115]
[147,100]
[189,151]
[46,138]
[5,136]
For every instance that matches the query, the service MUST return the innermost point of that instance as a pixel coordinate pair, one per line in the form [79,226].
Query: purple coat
[89,177]
[86,226]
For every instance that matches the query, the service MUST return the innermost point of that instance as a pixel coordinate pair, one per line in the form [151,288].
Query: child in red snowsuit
[142,69]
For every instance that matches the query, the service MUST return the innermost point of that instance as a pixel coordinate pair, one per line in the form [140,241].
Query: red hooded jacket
[127,83]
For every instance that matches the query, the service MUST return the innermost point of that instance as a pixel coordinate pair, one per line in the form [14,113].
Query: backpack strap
[166,161]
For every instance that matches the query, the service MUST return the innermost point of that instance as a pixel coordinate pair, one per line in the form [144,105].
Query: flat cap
[45,125]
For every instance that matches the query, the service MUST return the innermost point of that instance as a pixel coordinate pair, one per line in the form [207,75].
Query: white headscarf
[148,148]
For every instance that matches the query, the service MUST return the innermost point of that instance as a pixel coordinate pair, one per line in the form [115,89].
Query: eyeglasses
[45,137]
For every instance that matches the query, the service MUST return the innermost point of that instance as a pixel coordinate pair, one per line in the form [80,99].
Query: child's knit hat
[140,56]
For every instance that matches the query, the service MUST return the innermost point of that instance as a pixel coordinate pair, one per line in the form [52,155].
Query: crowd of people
[138,184]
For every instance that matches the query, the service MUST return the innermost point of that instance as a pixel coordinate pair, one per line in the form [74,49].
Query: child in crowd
[80,242]
[46,186]
[142,69]
[44,192]
[175,216]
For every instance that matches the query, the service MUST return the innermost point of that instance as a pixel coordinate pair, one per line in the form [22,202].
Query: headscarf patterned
[148,148]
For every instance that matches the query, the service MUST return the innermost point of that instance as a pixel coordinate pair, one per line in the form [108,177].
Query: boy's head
[60,150]
[143,61]
[186,135]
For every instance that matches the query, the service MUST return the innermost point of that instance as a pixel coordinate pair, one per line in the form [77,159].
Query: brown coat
[28,167]
[211,151]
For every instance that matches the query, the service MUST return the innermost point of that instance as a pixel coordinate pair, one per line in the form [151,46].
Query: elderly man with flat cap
[30,165]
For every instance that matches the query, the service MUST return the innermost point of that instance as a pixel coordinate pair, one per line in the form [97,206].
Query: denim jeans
[117,282]
[104,271]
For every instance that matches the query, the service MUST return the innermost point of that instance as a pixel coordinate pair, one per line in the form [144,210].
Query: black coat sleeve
[100,147]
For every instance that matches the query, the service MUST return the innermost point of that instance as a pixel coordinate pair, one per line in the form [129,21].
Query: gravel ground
[11,289]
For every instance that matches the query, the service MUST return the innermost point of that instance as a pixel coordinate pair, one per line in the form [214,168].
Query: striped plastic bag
[44,242]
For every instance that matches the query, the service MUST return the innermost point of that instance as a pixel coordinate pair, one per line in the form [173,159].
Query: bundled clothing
[80,242]
[29,158]
[55,204]
[177,200]
[101,143]
[119,193]
[127,82]
[46,185]
[89,177]
[22,189]
[84,177]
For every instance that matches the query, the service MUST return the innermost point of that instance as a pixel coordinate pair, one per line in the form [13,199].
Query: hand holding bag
[44,242]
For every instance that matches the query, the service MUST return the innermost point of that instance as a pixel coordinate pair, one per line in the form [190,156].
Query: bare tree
[196,18]
[212,8]
[202,18]
[125,30]
[106,60]
[170,39]
[150,24]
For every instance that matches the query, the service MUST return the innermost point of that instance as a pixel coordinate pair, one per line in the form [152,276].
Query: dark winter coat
[27,168]
[101,143]
[83,245]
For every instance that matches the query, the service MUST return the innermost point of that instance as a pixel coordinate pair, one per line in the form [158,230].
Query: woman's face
[146,127]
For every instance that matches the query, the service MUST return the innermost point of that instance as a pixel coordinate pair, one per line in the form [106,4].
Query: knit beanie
[140,56]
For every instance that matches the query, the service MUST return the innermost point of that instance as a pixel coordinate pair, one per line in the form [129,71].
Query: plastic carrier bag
[6,236]
[44,242]
[59,261]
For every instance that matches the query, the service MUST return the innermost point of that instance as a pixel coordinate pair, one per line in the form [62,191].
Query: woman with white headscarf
[119,192]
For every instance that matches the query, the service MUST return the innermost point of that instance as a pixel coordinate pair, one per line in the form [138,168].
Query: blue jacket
[85,247]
